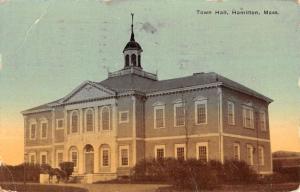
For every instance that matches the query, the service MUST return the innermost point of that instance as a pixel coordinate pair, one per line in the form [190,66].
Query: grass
[244,188]
[41,188]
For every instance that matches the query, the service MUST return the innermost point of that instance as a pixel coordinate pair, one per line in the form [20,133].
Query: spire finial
[132,34]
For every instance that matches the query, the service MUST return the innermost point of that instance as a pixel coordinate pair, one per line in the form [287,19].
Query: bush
[191,174]
[238,172]
[16,173]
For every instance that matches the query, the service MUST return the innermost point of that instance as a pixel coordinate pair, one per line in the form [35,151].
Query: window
[159,152]
[105,157]
[126,60]
[105,118]
[59,123]
[33,131]
[179,115]
[231,118]
[59,158]
[44,130]
[261,159]
[43,158]
[133,59]
[123,117]
[89,120]
[139,61]
[159,117]
[248,117]
[124,156]
[236,151]
[74,156]
[202,151]
[180,151]
[250,154]
[201,112]
[32,158]
[74,122]
[262,121]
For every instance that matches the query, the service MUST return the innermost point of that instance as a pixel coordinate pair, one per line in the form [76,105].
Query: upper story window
[262,121]
[44,129]
[159,116]
[248,120]
[127,61]
[250,154]
[201,112]
[159,152]
[231,117]
[32,131]
[179,114]
[202,151]
[59,123]
[236,151]
[105,117]
[123,117]
[74,122]
[89,120]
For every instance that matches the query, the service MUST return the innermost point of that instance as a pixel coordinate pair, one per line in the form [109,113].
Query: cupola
[132,51]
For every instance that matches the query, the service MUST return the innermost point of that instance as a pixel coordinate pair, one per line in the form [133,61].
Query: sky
[49,47]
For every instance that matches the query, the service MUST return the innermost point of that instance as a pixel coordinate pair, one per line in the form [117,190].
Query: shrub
[238,172]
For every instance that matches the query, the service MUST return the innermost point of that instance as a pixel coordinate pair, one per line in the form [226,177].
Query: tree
[67,168]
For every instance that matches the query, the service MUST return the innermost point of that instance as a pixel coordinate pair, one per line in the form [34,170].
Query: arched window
[73,156]
[105,118]
[139,61]
[104,155]
[89,120]
[74,122]
[133,59]
[127,61]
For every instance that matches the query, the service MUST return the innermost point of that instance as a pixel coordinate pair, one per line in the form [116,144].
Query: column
[113,147]
[133,130]
[80,160]
[96,109]
[53,126]
[81,121]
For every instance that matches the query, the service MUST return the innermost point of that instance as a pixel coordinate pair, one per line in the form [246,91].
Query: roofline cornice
[36,111]
[183,89]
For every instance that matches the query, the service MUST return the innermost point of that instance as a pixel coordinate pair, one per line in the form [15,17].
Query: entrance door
[89,159]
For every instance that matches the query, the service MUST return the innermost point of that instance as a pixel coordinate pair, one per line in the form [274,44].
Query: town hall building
[106,127]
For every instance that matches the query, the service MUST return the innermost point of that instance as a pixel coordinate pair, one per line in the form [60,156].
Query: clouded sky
[48,47]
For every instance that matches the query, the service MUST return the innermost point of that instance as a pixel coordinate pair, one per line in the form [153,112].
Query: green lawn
[283,187]
[41,188]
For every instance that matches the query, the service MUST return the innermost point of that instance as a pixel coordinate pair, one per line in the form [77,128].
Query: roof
[135,82]
[132,45]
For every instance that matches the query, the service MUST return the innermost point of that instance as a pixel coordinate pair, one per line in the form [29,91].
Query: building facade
[106,127]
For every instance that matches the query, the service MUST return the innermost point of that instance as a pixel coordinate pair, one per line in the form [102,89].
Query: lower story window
[32,158]
[43,159]
[261,155]
[105,157]
[74,158]
[159,152]
[202,151]
[236,151]
[180,151]
[59,158]
[124,156]
[250,154]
